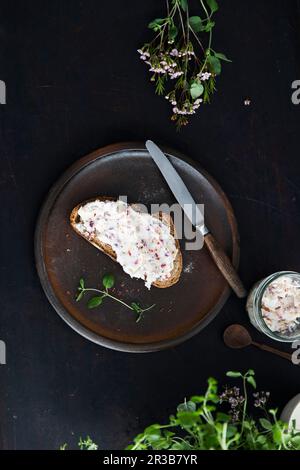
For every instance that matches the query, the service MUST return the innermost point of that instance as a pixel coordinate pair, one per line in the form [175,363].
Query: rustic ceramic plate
[63,257]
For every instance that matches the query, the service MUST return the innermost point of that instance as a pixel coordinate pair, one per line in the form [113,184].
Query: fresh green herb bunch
[83,444]
[202,424]
[181,53]
[108,282]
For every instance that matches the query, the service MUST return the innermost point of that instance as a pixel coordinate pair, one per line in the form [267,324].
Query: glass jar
[254,307]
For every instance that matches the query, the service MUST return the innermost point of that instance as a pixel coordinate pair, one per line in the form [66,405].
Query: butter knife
[193,213]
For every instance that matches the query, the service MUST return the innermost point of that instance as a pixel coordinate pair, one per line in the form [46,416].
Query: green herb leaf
[94,302]
[296,441]
[173,31]
[221,56]
[277,434]
[251,381]
[196,90]
[233,374]
[136,307]
[160,87]
[81,283]
[187,406]
[181,445]
[183,4]
[153,433]
[265,423]
[209,26]
[212,383]
[213,5]
[215,64]
[197,399]
[87,444]
[273,413]
[187,418]
[79,296]
[196,23]
[222,417]
[108,281]
[261,439]
[156,24]
[231,431]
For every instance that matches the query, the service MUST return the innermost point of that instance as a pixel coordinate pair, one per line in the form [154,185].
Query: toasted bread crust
[108,250]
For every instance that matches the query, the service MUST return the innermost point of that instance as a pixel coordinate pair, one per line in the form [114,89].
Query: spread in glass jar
[273,306]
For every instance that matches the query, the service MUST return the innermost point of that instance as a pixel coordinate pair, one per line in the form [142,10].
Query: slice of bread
[108,250]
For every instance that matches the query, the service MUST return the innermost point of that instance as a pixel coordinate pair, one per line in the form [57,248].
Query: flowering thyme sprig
[261,399]
[235,400]
[181,54]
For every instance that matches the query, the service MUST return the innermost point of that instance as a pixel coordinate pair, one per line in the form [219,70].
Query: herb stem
[106,294]
[224,433]
[197,39]
[205,9]
[187,39]
[148,308]
[168,7]
[138,442]
[181,20]
[245,403]
[170,17]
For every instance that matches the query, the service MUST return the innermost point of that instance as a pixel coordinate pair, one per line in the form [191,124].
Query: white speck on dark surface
[152,194]
[189,267]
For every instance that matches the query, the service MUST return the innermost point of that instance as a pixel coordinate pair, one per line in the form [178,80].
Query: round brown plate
[63,257]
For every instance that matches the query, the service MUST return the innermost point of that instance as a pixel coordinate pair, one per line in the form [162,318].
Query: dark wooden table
[75,83]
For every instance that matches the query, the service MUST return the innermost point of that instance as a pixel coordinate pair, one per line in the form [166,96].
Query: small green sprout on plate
[108,282]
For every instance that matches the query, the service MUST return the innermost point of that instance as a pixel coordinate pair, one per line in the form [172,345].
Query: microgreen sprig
[108,282]
[181,53]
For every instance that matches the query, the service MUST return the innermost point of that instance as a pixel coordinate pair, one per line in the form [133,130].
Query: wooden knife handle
[225,266]
[265,347]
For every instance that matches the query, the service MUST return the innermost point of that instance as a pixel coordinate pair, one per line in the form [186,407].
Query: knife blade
[192,211]
[178,187]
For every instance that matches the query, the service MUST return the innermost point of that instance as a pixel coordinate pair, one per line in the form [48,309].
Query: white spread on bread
[143,244]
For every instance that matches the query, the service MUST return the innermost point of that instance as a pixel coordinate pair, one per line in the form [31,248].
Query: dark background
[75,83]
